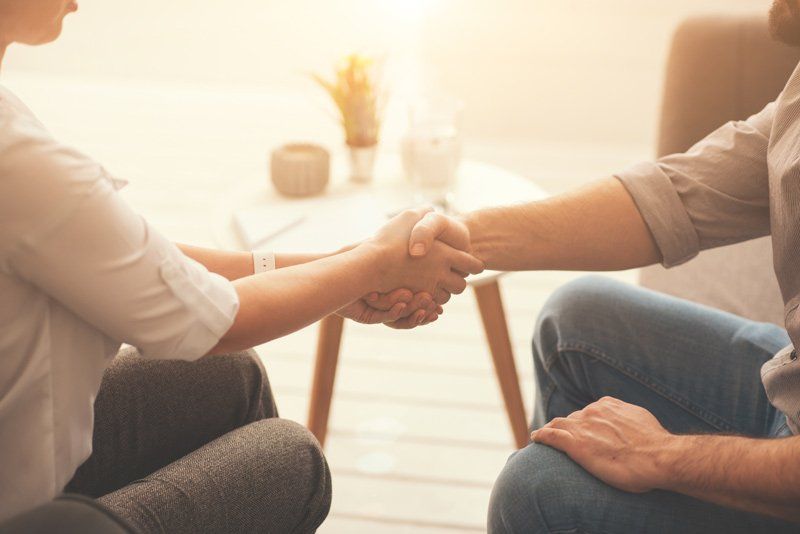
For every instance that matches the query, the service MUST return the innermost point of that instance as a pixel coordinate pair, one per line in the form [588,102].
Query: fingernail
[418,249]
[420,318]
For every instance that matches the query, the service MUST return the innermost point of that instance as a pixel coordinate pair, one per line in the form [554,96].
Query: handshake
[420,259]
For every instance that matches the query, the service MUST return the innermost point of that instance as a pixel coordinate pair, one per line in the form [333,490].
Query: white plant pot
[362,163]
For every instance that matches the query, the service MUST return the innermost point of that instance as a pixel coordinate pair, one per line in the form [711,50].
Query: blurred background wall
[533,73]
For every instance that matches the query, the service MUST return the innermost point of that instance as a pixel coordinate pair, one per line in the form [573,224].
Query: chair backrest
[721,69]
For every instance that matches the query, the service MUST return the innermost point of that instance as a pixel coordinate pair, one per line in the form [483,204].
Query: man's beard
[784,21]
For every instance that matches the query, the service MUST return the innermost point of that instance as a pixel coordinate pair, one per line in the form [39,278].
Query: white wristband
[263,262]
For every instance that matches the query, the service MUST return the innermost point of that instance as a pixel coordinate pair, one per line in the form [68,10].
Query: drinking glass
[432,150]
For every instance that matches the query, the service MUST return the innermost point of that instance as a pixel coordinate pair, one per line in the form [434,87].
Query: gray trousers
[197,447]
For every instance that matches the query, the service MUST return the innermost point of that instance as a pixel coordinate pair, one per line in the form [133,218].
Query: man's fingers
[442,296]
[374,316]
[431,318]
[386,302]
[435,226]
[465,263]
[412,321]
[554,437]
[454,284]
[422,301]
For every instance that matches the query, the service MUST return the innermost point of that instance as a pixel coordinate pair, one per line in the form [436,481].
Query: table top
[349,212]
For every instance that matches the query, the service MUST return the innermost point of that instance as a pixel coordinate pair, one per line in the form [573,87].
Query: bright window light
[410,9]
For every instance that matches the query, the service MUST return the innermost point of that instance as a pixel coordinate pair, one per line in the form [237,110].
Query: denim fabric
[695,368]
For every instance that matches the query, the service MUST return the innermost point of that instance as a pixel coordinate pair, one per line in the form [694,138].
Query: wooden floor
[418,432]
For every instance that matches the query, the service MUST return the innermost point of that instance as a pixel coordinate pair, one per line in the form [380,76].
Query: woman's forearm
[276,303]
[234,265]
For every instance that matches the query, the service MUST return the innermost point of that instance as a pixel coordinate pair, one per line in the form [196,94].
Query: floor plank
[396,500]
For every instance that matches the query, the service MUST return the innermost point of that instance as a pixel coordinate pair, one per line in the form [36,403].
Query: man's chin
[784,22]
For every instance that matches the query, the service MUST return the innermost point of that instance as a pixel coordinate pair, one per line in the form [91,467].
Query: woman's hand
[441,272]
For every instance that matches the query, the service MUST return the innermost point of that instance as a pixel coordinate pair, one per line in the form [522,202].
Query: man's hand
[440,272]
[436,226]
[400,309]
[619,443]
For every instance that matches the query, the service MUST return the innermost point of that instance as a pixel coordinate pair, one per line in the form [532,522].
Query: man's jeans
[696,369]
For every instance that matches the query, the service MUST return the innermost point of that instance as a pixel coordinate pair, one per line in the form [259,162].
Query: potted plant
[355,92]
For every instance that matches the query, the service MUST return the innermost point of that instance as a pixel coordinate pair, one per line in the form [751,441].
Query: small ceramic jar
[300,170]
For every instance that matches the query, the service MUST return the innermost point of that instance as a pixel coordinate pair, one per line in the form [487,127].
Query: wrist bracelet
[263,262]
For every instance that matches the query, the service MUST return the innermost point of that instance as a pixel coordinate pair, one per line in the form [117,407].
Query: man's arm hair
[595,228]
[755,475]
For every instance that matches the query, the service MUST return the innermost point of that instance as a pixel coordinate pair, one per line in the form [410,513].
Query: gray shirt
[739,183]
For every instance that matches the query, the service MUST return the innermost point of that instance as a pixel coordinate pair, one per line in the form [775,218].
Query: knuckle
[558,422]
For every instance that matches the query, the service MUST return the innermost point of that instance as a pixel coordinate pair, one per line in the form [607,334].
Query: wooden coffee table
[480,185]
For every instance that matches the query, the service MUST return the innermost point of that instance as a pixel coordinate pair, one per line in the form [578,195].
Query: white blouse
[80,273]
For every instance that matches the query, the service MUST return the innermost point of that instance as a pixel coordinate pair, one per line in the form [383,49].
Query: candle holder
[300,169]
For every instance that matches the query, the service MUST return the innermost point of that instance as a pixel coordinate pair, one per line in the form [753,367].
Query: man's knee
[571,308]
[542,490]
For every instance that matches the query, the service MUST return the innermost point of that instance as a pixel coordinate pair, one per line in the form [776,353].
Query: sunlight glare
[409,9]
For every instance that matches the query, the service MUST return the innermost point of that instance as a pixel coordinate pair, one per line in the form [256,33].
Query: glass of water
[432,150]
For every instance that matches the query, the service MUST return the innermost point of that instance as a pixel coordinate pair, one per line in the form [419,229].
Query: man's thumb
[422,235]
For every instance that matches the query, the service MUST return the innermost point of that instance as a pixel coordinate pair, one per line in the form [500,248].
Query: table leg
[328,344]
[490,303]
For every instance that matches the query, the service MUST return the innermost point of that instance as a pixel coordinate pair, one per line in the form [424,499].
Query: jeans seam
[658,388]
[546,396]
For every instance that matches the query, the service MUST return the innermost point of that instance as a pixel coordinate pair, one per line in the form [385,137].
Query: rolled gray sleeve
[715,194]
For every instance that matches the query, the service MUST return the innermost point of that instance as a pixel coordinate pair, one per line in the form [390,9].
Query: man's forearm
[596,228]
[756,475]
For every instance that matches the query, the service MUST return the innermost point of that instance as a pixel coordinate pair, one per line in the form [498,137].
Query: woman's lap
[149,413]
[197,447]
[269,476]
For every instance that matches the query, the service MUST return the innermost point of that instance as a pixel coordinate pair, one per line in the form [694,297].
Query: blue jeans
[695,368]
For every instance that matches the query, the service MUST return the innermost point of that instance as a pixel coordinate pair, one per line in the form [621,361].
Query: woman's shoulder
[29,150]
[40,178]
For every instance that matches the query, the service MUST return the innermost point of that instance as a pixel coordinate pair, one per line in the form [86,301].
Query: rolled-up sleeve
[68,232]
[715,194]
[107,265]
